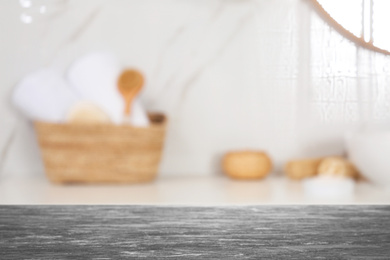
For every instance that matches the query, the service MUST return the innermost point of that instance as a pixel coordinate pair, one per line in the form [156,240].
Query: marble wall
[228,73]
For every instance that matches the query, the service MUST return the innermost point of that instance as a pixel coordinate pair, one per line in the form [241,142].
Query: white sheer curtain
[323,85]
[350,83]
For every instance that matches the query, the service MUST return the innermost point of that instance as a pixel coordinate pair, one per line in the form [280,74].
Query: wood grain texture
[267,232]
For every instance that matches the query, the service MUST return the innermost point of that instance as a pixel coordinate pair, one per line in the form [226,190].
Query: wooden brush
[130,84]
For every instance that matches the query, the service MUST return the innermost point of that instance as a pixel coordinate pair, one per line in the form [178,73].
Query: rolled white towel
[138,115]
[95,77]
[44,95]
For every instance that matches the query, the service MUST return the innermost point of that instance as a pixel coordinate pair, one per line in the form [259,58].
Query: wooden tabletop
[267,232]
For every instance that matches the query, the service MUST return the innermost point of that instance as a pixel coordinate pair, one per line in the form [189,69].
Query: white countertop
[184,190]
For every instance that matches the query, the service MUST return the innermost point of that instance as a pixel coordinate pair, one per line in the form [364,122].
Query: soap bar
[87,113]
[337,166]
[304,168]
[44,95]
[247,164]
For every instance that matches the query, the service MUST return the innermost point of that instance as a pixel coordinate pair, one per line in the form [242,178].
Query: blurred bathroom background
[229,74]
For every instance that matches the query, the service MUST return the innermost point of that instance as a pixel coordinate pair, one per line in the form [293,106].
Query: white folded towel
[44,95]
[95,77]
[138,115]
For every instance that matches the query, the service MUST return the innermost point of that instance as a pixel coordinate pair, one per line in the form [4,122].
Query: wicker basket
[101,153]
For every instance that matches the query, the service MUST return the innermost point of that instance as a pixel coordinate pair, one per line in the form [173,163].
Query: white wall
[226,72]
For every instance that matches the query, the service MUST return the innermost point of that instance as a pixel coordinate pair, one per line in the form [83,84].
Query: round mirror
[362,21]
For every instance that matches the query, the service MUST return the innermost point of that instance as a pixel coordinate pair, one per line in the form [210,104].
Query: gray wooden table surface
[266,232]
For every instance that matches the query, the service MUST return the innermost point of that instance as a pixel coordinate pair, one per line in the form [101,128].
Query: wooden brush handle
[129,102]
[129,85]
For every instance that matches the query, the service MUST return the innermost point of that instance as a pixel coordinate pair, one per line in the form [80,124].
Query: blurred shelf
[180,190]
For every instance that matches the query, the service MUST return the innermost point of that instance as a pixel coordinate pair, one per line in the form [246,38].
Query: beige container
[303,168]
[101,153]
[246,165]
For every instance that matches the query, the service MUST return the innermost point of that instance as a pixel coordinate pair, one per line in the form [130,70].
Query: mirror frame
[323,14]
